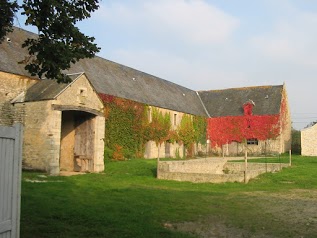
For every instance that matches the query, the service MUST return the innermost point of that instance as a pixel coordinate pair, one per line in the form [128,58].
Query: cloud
[196,75]
[191,21]
[291,40]
[203,46]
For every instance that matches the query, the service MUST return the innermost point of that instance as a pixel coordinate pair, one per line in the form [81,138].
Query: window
[82,95]
[175,119]
[149,113]
[248,123]
[252,141]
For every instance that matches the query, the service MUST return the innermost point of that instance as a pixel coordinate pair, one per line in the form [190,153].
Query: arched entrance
[77,141]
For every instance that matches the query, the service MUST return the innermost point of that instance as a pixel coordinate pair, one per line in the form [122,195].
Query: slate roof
[107,77]
[11,52]
[111,78]
[46,89]
[229,102]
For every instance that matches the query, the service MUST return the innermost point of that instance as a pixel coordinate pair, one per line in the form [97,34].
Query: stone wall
[99,144]
[42,132]
[80,94]
[263,147]
[153,151]
[212,170]
[309,141]
[11,86]
[171,150]
[41,137]
[233,167]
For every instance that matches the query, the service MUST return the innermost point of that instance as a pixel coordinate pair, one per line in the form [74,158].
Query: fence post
[157,167]
[290,157]
[245,166]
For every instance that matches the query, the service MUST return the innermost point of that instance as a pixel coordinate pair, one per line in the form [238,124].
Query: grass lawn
[128,201]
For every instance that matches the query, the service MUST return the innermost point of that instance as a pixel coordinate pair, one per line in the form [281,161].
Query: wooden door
[84,142]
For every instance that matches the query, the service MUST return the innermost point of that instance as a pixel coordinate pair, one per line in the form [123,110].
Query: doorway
[77,141]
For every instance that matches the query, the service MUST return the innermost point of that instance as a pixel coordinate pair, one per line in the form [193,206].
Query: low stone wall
[211,170]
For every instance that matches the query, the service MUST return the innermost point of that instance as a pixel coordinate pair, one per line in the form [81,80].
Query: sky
[209,44]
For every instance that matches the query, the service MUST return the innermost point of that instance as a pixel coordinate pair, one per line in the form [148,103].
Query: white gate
[10,180]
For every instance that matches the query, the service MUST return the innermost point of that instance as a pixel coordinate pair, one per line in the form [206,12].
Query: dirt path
[292,214]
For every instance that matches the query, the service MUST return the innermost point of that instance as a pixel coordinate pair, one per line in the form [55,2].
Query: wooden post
[245,166]
[290,157]
[157,167]
[207,147]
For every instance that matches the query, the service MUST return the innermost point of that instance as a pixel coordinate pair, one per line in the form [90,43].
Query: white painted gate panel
[10,180]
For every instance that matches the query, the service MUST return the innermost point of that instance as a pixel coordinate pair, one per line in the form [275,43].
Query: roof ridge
[242,88]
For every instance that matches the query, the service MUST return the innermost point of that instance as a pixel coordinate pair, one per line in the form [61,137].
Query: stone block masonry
[213,170]
[11,86]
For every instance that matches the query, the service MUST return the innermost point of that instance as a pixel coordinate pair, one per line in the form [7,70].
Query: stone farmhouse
[64,124]
[308,141]
[258,117]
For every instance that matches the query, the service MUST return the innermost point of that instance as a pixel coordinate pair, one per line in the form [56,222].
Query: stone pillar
[54,138]
[99,144]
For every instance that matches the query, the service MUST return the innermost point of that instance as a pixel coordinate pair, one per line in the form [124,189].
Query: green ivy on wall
[129,125]
[159,127]
[200,127]
[192,129]
[125,127]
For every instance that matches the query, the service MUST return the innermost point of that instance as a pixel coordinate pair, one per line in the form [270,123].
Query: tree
[296,141]
[159,128]
[311,124]
[7,12]
[187,133]
[60,42]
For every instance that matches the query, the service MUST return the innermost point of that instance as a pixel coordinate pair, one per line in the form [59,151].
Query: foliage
[7,12]
[186,131]
[192,129]
[108,153]
[125,126]
[296,141]
[223,130]
[60,42]
[159,126]
[177,155]
[128,125]
[138,205]
[311,124]
[118,153]
[200,128]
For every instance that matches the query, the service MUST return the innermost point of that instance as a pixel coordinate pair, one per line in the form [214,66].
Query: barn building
[254,117]
[309,141]
[64,124]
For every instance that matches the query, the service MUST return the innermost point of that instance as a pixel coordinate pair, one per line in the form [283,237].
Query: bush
[128,153]
[108,153]
[118,153]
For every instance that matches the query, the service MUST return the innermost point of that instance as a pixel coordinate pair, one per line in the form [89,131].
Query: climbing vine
[223,130]
[192,129]
[159,127]
[186,131]
[129,125]
[125,127]
[200,127]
